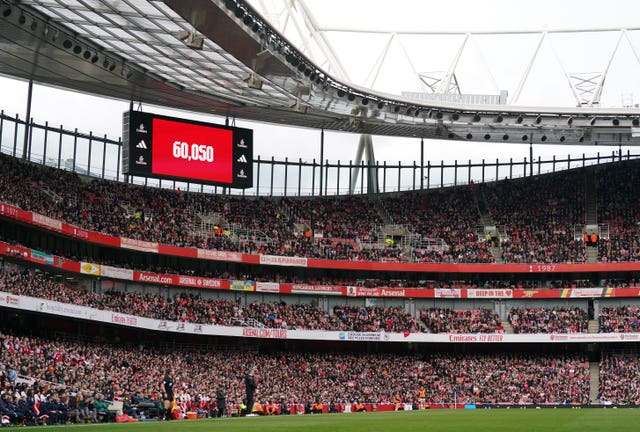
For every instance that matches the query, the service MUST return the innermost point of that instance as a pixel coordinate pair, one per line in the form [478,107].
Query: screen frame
[133,132]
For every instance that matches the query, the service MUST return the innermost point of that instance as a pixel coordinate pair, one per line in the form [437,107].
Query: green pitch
[542,420]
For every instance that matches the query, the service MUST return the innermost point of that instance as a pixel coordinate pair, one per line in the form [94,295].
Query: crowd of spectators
[619,319]
[345,218]
[510,378]
[294,227]
[263,274]
[374,318]
[444,320]
[539,214]
[619,208]
[619,379]
[193,308]
[76,376]
[448,216]
[549,320]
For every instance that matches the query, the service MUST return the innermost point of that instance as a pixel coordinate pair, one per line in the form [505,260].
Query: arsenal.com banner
[109,272]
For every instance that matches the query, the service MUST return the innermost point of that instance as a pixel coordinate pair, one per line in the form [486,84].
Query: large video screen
[172,148]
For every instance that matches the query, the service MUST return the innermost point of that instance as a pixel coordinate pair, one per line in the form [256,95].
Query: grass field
[496,420]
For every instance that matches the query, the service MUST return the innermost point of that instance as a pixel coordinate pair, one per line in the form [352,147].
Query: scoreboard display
[176,149]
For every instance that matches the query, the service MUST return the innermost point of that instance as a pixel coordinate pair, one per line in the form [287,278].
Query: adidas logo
[142,145]
[242,159]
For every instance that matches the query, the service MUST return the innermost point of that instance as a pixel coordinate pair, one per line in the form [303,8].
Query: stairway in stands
[486,220]
[594,382]
[508,328]
[377,203]
[591,210]
[594,326]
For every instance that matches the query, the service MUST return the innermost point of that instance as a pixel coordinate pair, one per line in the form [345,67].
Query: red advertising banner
[476,293]
[286,288]
[90,269]
[356,291]
[536,293]
[14,213]
[216,255]
[93,237]
[621,292]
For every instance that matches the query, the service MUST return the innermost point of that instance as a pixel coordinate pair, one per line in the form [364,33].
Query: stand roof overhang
[221,57]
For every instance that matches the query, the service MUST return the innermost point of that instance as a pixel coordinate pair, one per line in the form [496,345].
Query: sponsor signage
[46,221]
[199,282]
[354,291]
[116,272]
[127,320]
[216,255]
[138,245]
[90,268]
[283,260]
[314,289]
[41,257]
[448,293]
[581,292]
[241,285]
[489,293]
[270,287]
[91,314]
[153,278]
[476,337]
[265,333]
[11,211]
[362,336]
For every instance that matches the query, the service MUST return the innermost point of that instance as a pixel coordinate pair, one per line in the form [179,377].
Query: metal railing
[100,157]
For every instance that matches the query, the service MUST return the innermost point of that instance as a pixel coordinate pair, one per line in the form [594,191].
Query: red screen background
[166,132]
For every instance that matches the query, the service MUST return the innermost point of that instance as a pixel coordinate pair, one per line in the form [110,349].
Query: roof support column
[26,148]
[365,145]
[321,160]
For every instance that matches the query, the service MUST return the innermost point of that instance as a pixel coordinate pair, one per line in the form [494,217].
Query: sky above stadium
[488,67]
[387,45]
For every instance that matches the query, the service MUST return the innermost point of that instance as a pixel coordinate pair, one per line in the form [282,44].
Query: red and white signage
[283,260]
[216,255]
[138,245]
[46,222]
[269,287]
[489,293]
[448,293]
[116,272]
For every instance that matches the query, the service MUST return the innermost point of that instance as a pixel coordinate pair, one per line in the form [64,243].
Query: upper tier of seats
[539,216]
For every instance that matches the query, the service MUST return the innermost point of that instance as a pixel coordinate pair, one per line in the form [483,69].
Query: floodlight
[190,39]
[252,81]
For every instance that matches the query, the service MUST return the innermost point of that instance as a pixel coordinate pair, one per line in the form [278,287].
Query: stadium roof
[223,57]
